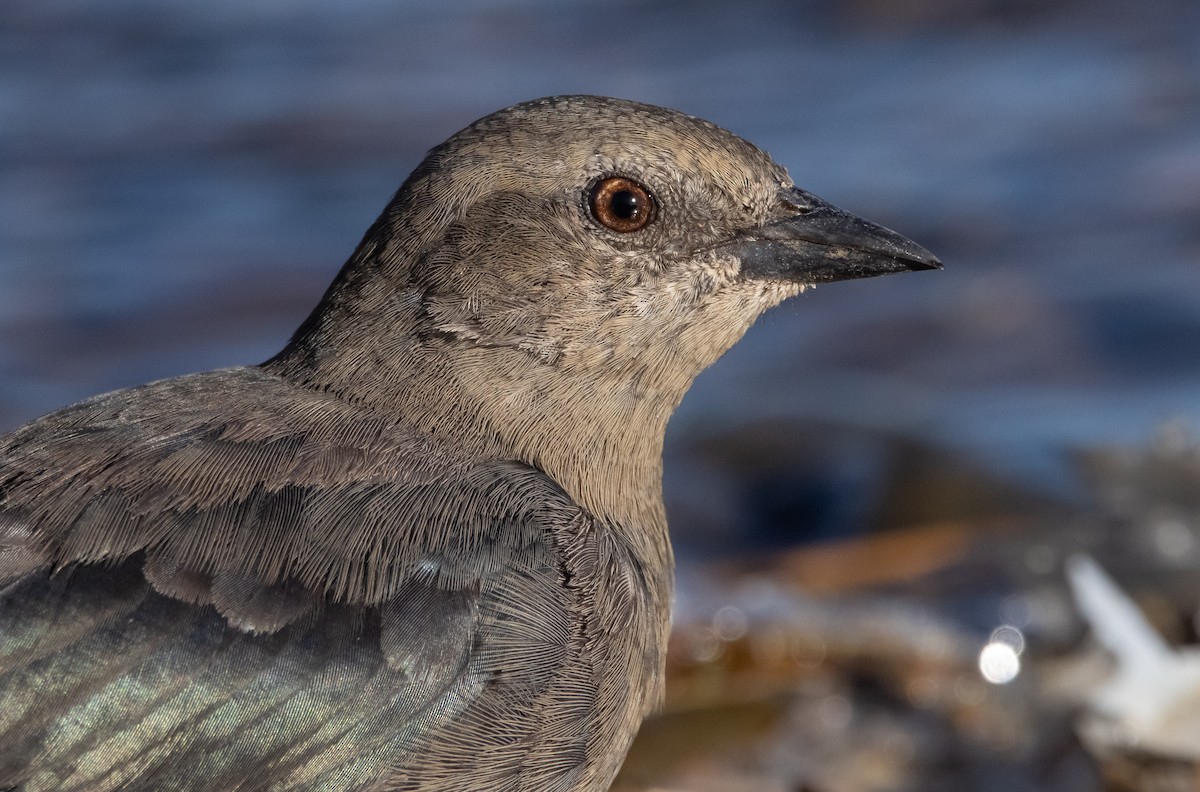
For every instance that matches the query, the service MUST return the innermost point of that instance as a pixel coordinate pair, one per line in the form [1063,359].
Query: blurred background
[880,480]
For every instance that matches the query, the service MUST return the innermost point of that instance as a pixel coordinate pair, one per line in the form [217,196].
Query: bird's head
[597,235]
[579,254]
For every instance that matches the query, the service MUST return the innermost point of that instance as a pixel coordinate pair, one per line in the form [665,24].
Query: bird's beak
[820,243]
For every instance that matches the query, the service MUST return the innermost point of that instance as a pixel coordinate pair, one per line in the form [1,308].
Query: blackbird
[424,546]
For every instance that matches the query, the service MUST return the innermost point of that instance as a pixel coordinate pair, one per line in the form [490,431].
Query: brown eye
[621,204]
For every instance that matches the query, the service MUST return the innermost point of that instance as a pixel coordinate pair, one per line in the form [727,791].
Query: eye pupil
[625,204]
[621,204]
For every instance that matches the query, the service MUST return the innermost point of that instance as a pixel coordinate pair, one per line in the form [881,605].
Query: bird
[424,546]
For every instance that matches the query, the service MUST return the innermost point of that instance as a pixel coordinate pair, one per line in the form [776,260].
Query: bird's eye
[621,204]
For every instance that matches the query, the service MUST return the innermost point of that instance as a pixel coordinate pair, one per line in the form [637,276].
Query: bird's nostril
[795,207]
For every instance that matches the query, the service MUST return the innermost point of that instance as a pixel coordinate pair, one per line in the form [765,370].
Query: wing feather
[254,603]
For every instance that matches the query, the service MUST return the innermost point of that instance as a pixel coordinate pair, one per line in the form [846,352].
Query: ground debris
[951,654]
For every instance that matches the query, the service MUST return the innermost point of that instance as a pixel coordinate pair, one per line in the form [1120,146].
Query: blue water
[179,182]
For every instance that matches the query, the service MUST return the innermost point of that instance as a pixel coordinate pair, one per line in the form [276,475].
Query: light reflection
[836,712]
[808,651]
[1017,610]
[1000,659]
[923,691]
[1172,537]
[704,645]
[1010,635]
[730,623]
